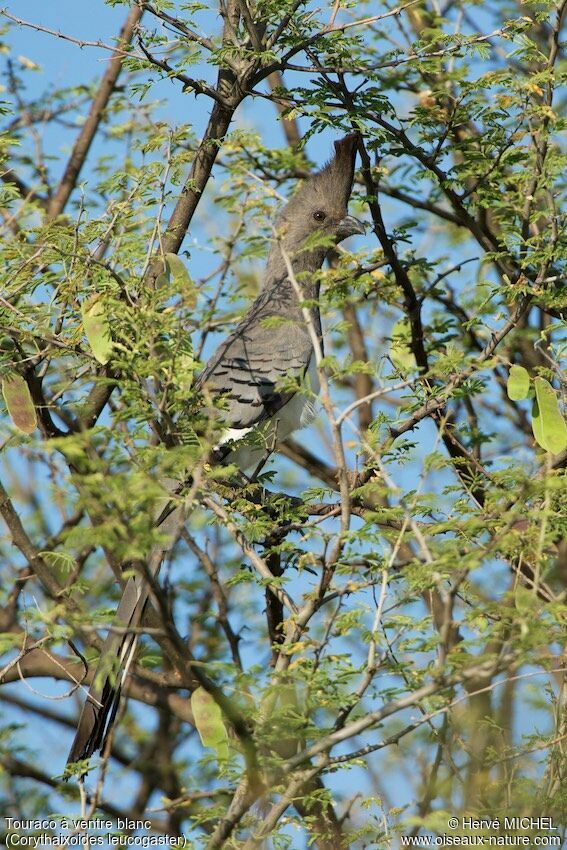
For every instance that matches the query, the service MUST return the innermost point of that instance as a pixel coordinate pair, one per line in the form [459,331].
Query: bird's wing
[250,367]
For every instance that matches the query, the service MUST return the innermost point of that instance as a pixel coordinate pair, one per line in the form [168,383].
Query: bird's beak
[349,226]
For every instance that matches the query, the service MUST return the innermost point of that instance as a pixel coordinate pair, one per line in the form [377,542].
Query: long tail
[101,704]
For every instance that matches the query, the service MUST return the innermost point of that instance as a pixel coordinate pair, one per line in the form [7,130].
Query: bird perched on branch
[260,371]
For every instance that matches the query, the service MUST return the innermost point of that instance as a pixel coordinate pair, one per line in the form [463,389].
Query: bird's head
[321,205]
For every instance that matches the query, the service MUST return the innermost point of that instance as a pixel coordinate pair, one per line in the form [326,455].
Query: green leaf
[97,329]
[526,601]
[518,385]
[548,425]
[181,279]
[9,641]
[209,722]
[400,351]
[185,373]
[7,344]
[19,403]
[62,561]
[163,279]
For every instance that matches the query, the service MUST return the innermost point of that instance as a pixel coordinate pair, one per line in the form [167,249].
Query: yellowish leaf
[19,403]
[97,329]
[209,722]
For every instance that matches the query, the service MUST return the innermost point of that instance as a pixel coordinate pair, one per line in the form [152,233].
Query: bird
[265,374]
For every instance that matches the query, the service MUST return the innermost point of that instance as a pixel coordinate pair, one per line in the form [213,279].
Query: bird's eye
[319,215]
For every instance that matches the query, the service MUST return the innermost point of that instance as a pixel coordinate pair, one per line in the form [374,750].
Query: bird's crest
[334,181]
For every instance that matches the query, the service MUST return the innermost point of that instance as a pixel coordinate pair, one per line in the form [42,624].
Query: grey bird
[266,375]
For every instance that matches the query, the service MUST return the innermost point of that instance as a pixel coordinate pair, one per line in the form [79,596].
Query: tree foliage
[368,637]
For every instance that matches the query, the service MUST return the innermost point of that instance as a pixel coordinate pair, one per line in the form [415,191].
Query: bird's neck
[302,263]
[279,294]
